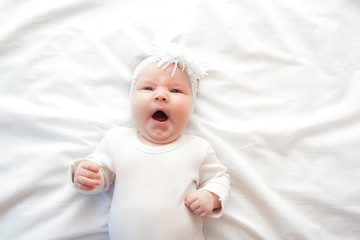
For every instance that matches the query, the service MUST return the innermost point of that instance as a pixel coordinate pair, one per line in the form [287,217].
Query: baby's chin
[155,140]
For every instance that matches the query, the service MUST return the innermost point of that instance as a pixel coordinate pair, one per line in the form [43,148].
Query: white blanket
[281,107]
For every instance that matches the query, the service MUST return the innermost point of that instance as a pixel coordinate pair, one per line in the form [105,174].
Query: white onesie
[151,183]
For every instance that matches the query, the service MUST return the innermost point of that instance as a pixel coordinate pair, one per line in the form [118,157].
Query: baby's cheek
[184,107]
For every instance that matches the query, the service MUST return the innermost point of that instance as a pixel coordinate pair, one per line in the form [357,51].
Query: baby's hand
[202,202]
[86,175]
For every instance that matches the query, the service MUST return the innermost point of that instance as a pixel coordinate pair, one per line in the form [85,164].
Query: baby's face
[161,105]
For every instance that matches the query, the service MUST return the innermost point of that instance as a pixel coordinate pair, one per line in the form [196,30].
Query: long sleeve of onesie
[103,157]
[213,178]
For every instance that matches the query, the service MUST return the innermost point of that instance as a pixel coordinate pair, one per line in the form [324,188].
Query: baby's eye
[175,91]
[148,89]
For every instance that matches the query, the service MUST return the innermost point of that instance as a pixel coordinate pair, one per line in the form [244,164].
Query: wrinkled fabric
[280,106]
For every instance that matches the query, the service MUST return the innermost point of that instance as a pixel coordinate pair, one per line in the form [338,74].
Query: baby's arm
[202,202]
[86,175]
[213,188]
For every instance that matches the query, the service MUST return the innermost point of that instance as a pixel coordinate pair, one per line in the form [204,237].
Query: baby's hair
[165,54]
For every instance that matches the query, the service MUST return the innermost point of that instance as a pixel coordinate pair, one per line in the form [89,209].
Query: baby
[165,182]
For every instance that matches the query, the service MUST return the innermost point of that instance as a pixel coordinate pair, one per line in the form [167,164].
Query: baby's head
[163,92]
[178,56]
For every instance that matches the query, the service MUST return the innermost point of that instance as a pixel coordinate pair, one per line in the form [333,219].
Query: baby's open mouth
[160,116]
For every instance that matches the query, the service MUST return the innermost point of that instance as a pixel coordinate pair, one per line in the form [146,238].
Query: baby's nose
[160,96]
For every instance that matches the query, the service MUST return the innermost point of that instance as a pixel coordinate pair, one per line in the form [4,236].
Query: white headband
[167,53]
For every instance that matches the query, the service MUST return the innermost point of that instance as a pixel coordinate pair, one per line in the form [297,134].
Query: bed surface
[280,105]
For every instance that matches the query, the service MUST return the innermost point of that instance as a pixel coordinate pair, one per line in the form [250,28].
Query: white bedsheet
[281,107]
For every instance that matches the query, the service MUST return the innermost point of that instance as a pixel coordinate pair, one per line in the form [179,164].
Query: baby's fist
[86,175]
[202,202]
